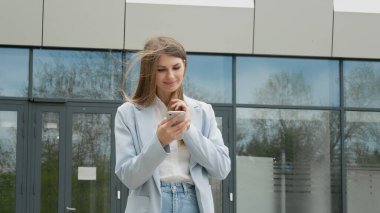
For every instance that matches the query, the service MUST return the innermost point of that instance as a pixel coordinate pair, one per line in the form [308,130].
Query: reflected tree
[285,88]
[297,138]
[78,74]
[8,170]
[92,148]
[362,86]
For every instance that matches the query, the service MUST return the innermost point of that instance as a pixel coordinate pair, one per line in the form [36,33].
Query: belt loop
[184,188]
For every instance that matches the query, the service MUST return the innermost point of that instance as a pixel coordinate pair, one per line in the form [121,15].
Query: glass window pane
[209,78]
[49,162]
[130,77]
[361,84]
[14,72]
[8,141]
[286,81]
[288,161]
[362,143]
[91,165]
[76,74]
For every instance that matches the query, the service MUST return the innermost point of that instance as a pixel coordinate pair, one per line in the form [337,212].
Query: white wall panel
[293,27]
[357,34]
[21,22]
[84,23]
[198,28]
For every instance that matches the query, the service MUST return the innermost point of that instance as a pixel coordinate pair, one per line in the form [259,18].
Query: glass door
[47,154]
[222,190]
[73,156]
[90,180]
[12,158]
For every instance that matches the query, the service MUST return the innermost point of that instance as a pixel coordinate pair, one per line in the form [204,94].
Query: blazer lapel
[145,127]
[196,120]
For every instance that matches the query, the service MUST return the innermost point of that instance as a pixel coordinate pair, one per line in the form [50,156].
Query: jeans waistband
[176,187]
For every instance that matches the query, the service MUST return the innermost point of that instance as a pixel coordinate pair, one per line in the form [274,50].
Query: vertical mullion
[342,127]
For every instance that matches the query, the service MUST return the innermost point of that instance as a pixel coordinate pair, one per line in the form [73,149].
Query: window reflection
[91,148]
[76,74]
[49,162]
[284,81]
[8,141]
[288,160]
[14,72]
[209,78]
[362,142]
[362,83]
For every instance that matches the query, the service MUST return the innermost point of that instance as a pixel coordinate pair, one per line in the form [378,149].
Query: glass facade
[287,160]
[66,74]
[209,78]
[14,72]
[300,143]
[362,84]
[287,81]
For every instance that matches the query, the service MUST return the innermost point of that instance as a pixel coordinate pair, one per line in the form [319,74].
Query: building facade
[295,86]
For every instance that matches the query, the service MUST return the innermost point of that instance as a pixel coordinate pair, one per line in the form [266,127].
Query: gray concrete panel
[21,22]
[84,23]
[198,28]
[293,27]
[356,35]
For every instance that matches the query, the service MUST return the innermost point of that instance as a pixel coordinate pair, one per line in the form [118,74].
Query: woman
[162,173]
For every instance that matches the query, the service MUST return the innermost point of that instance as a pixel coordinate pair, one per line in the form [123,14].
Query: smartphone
[172,114]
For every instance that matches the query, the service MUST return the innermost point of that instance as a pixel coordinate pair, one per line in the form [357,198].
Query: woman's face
[170,71]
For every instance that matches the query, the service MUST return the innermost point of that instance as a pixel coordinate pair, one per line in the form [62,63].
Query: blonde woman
[166,163]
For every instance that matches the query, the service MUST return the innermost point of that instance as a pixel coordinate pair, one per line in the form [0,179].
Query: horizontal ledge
[207,3]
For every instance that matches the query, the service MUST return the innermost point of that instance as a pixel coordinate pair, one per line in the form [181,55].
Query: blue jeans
[179,198]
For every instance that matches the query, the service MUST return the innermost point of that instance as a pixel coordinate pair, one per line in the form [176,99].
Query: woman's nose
[170,73]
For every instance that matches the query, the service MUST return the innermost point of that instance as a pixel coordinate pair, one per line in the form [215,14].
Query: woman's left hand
[180,105]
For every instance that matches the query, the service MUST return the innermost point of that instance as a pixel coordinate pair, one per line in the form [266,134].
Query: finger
[163,121]
[182,127]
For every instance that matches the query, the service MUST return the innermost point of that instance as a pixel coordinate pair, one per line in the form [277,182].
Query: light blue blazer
[139,153]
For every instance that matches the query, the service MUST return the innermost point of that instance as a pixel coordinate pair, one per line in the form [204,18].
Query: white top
[175,167]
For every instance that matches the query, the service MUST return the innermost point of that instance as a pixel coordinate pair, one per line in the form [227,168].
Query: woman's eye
[176,68]
[160,70]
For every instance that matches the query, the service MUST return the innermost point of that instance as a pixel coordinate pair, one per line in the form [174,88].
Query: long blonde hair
[153,49]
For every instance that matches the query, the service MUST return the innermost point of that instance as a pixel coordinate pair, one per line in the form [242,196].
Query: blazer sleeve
[134,168]
[208,149]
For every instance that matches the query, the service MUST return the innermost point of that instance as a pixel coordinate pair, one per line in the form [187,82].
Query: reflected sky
[14,72]
[321,78]
[209,78]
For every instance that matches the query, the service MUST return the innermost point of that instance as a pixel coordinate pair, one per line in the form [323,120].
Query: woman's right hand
[168,130]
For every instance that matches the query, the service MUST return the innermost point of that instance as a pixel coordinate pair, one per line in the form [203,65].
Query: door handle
[70,209]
